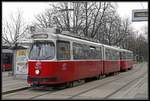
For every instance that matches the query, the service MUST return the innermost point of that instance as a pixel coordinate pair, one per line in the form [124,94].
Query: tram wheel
[87,80]
[98,77]
[69,84]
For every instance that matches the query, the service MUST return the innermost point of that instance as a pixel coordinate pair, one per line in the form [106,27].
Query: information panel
[21,61]
[139,15]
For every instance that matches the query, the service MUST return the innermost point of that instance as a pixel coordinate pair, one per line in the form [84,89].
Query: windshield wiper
[47,57]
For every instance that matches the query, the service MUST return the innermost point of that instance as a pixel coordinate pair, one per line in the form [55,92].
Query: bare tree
[113,29]
[84,17]
[14,29]
[139,45]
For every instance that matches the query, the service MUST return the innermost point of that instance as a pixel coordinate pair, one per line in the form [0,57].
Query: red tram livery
[111,59]
[126,59]
[62,59]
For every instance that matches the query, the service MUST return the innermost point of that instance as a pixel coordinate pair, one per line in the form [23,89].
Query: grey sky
[30,9]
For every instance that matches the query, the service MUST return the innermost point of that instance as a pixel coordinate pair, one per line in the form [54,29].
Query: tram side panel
[111,61]
[61,71]
[126,61]
[87,61]
[66,71]
[130,63]
[87,69]
[123,62]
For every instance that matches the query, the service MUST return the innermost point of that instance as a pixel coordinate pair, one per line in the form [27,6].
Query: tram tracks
[29,90]
[141,76]
[105,83]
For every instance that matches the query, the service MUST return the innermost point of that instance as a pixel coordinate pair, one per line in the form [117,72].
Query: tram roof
[70,37]
[112,47]
[78,40]
[65,35]
[73,39]
[125,50]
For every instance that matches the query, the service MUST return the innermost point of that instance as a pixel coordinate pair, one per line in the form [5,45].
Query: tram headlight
[37,72]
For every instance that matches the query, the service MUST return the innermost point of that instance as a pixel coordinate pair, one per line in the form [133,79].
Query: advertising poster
[21,61]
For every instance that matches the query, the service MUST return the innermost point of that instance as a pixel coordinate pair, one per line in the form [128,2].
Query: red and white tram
[111,59]
[62,59]
[126,59]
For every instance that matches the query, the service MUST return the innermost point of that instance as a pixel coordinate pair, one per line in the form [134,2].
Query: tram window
[128,55]
[132,56]
[85,51]
[42,50]
[107,54]
[120,56]
[117,55]
[92,52]
[78,52]
[112,57]
[98,53]
[110,54]
[63,50]
[123,55]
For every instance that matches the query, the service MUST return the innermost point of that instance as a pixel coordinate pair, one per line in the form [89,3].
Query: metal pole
[86,17]
[73,17]
[14,63]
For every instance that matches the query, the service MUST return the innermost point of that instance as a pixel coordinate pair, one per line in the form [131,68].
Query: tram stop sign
[139,15]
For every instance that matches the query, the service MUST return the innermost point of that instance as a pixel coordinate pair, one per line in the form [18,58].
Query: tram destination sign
[139,15]
[39,36]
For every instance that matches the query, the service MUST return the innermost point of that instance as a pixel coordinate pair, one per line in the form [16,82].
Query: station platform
[10,83]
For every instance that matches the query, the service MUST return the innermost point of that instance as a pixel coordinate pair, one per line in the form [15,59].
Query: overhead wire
[142,5]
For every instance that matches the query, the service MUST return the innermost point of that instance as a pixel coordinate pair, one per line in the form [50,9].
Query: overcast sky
[31,9]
